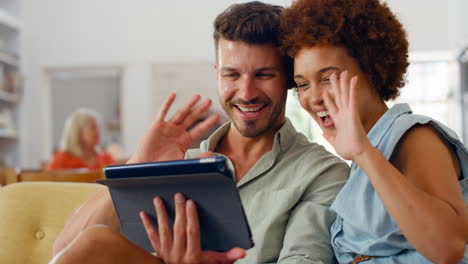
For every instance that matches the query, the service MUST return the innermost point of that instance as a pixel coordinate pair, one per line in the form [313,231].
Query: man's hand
[169,140]
[183,246]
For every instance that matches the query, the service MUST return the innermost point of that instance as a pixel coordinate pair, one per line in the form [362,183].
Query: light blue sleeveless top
[363,226]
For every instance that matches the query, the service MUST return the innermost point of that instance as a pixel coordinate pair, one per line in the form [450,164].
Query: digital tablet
[176,167]
[207,181]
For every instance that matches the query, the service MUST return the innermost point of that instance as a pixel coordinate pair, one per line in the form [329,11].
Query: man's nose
[247,89]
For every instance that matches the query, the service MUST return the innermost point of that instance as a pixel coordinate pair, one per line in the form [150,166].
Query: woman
[405,200]
[80,142]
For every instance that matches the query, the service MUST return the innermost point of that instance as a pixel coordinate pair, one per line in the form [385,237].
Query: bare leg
[98,245]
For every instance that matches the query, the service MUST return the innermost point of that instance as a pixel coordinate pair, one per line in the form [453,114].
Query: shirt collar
[284,137]
[212,141]
[379,130]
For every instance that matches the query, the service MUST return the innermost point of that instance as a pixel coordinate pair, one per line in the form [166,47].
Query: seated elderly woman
[80,144]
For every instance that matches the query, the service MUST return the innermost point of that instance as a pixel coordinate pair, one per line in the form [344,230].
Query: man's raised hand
[169,140]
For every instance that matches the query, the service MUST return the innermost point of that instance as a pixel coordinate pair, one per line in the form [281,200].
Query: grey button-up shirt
[286,197]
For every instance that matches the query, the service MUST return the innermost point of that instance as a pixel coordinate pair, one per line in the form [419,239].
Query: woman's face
[313,67]
[89,134]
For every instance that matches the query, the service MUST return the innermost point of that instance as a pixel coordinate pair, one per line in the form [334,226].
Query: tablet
[176,167]
[207,181]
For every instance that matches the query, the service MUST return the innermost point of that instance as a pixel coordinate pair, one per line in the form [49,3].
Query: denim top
[363,226]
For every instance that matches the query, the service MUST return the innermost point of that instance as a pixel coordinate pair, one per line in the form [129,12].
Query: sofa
[33,213]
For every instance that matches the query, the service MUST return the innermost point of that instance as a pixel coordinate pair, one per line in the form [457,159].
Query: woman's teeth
[322,114]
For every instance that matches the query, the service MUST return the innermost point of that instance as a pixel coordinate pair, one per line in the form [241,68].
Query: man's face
[252,86]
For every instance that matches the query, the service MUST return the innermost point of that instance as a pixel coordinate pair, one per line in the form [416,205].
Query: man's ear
[215,66]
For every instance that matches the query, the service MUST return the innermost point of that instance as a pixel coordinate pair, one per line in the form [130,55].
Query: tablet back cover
[222,220]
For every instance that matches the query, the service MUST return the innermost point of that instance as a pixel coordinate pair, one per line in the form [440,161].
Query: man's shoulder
[311,170]
[310,158]
[307,150]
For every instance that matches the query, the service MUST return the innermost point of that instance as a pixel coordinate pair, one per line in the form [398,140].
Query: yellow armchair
[33,213]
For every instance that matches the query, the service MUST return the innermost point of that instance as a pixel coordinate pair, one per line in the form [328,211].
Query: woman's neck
[373,114]
[89,151]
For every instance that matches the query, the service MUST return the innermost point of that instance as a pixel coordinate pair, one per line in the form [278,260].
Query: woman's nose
[316,95]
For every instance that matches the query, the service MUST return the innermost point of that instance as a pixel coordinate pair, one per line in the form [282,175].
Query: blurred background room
[121,59]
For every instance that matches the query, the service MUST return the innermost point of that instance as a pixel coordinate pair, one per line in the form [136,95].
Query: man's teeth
[323,114]
[245,109]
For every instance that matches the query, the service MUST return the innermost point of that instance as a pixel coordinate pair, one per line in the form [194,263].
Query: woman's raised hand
[341,101]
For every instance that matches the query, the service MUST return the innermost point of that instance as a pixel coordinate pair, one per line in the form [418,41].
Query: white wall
[426,22]
[137,35]
[458,21]
[132,34]
[434,25]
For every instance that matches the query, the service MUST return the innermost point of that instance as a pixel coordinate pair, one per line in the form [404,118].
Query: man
[285,182]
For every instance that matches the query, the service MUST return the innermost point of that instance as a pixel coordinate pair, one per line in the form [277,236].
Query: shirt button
[39,235]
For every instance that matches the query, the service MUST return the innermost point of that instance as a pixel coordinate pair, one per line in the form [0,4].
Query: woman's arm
[422,193]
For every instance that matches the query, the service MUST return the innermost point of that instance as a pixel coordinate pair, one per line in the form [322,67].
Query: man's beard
[250,128]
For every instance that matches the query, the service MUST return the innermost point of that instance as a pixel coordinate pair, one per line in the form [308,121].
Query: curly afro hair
[367,29]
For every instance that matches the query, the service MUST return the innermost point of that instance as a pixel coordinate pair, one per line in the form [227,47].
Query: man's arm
[164,140]
[307,238]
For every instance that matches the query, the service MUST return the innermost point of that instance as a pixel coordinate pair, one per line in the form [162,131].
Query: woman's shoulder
[106,158]
[63,154]
[64,160]
[415,131]
[421,137]
[422,150]
[418,133]
[418,138]
[405,122]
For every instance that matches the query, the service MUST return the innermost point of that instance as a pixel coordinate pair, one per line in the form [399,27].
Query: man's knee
[92,245]
[100,238]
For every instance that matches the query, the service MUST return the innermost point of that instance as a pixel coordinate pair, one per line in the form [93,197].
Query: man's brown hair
[253,23]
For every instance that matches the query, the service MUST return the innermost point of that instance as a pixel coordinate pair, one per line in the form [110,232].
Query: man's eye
[230,75]
[265,75]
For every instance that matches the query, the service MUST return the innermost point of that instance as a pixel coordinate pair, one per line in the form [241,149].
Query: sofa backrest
[13,175]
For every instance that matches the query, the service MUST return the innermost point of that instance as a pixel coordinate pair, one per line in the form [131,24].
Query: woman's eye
[325,81]
[302,86]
